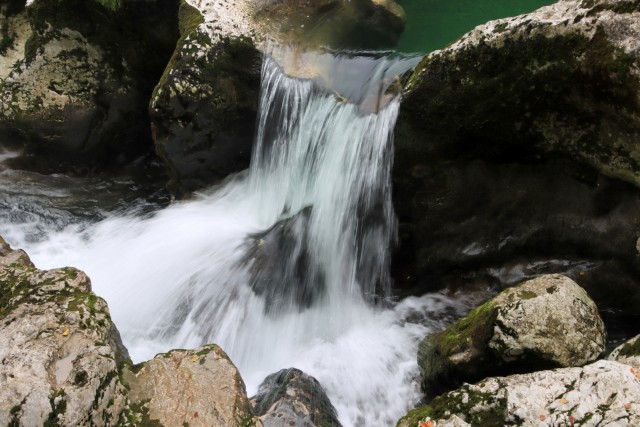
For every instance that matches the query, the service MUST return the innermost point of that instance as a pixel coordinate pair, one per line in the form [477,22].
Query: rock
[603,393]
[628,353]
[204,108]
[74,97]
[489,123]
[292,398]
[199,387]
[60,353]
[543,323]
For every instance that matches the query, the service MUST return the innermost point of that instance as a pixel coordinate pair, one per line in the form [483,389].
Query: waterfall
[286,264]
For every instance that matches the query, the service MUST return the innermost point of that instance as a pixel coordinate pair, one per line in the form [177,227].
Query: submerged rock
[292,398]
[74,85]
[543,323]
[60,353]
[603,393]
[204,107]
[198,387]
[628,353]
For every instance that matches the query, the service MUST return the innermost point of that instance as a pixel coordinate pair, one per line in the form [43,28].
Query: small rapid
[283,265]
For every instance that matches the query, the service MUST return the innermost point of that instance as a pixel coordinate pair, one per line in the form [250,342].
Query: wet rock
[603,393]
[543,323]
[199,387]
[75,88]
[204,108]
[489,125]
[628,353]
[60,353]
[291,397]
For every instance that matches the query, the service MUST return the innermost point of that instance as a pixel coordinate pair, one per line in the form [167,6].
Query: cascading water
[285,265]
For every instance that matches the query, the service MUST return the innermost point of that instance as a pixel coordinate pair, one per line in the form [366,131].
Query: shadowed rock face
[503,144]
[291,397]
[75,86]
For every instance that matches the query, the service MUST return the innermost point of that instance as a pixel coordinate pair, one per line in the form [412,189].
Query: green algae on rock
[543,323]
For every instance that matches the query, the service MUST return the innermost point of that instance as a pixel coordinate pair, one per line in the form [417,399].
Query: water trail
[285,265]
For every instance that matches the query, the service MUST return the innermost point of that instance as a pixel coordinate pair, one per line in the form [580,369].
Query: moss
[630,349]
[618,7]
[138,415]
[527,295]
[477,408]
[189,18]
[500,28]
[58,408]
[475,329]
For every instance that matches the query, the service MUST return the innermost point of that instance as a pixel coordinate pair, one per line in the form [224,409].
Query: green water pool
[433,24]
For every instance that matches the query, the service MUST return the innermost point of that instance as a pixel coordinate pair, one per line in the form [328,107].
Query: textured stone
[603,393]
[199,387]
[60,353]
[549,99]
[292,398]
[628,353]
[542,323]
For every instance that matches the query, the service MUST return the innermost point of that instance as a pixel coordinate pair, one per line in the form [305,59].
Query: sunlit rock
[543,323]
[60,353]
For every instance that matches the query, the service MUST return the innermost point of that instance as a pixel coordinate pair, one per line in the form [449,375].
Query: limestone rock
[291,397]
[74,97]
[546,322]
[558,88]
[628,353]
[199,387]
[603,393]
[204,108]
[60,353]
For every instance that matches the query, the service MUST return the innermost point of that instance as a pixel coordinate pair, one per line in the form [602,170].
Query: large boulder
[292,398]
[198,387]
[204,107]
[74,84]
[60,353]
[603,393]
[547,322]
[489,125]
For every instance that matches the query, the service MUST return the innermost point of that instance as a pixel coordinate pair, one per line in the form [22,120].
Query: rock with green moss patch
[60,353]
[559,84]
[198,387]
[628,353]
[74,87]
[291,397]
[603,393]
[204,108]
[543,323]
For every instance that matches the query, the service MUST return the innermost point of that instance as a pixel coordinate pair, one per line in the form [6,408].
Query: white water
[281,266]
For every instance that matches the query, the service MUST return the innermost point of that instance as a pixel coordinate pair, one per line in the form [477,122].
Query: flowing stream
[284,265]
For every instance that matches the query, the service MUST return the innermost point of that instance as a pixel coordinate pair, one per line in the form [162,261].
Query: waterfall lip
[367,78]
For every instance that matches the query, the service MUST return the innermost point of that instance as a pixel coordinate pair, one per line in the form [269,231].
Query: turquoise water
[433,24]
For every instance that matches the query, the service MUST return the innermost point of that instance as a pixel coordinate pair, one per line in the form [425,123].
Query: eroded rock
[60,353]
[543,323]
[603,393]
[199,387]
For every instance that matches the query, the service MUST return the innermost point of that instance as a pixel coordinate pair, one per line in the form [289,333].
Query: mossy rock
[543,323]
[77,100]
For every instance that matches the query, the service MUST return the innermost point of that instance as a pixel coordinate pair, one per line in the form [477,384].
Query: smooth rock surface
[546,322]
[292,398]
[603,393]
[59,351]
[198,387]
